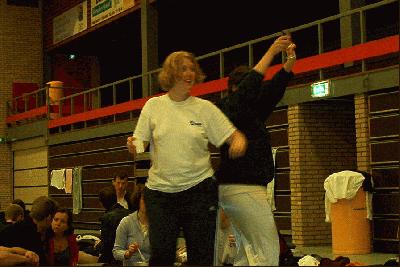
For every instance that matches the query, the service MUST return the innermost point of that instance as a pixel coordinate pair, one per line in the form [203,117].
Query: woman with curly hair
[181,192]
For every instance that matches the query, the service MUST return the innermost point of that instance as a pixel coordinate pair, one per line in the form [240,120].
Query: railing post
[251,56]
[320,46]
[362,35]
[48,101]
[221,65]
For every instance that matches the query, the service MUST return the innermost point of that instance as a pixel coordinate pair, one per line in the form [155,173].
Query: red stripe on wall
[28,114]
[101,112]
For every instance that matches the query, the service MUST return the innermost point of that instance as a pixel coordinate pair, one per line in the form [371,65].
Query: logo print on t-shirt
[194,123]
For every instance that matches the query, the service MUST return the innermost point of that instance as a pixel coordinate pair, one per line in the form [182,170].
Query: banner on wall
[69,23]
[102,10]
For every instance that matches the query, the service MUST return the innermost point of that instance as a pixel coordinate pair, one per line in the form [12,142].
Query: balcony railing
[320,46]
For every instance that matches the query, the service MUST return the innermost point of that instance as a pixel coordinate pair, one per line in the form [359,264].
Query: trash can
[351,230]
[55,94]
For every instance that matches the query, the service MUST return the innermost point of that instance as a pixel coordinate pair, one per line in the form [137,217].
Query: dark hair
[108,197]
[19,202]
[70,229]
[122,176]
[136,195]
[42,207]
[236,76]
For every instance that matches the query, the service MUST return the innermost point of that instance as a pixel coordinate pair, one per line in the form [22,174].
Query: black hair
[108,197]
[236,76]
[122,176]
[136,195]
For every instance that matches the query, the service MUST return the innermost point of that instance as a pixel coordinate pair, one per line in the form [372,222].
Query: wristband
[291,57]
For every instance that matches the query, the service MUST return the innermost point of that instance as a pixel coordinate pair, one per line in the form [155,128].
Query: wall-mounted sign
[69,23]
[102,10]
[320,89]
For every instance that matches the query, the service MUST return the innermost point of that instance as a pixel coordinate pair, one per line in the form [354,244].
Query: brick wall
[321,141]
[21,61]
[362,132]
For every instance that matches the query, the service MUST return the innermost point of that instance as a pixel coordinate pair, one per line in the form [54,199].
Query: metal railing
[217,64]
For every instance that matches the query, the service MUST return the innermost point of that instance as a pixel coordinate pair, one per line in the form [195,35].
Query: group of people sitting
[43,236]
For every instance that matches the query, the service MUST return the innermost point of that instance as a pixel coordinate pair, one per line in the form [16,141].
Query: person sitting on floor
[12,214]
[132,243]
[32,235]
[62,247]
[109,223]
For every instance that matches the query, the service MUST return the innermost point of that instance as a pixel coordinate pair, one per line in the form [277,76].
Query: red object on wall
[20,89]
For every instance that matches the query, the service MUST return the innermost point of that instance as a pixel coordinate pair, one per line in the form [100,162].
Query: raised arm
[291,57]
[280,44]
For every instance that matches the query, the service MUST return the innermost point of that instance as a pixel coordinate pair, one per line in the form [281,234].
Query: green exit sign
[320,89]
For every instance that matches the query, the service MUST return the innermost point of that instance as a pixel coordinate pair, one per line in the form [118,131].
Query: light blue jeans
[257,240]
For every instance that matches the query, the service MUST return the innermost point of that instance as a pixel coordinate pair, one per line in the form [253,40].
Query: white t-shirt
[179,133]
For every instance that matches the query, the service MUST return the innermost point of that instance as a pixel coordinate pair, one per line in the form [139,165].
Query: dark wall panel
[386,176]
[108,172]
[282,203]
[282,181]
[279,137]
[385,151]
[386,101]
[278,117]
[385,126]
[101,159]
[387,204]
[92,159]
[87,146]
[384,133]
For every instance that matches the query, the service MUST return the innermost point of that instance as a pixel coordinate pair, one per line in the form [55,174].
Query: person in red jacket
[62,247]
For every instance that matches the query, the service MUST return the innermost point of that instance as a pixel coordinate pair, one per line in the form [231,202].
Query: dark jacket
[109,223]
[248,108]
[23,234]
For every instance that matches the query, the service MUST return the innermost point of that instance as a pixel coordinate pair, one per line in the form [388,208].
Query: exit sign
[320,89]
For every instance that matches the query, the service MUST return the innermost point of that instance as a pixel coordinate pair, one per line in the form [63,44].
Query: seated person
[62,247]
[17,256]
[120,184]
[21,203]
[132,245]
[109,223]
[13,213]
[31,235]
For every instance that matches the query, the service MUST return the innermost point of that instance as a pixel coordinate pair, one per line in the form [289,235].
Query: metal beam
[344,86]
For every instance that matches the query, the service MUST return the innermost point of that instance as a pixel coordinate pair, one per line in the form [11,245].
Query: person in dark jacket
[31,235]
[243,181]
[120,184]
[109,223]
